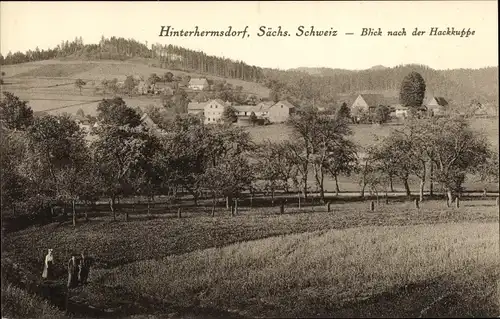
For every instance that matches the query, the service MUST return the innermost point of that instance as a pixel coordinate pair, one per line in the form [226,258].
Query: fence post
[417,203]
[372,206]
[236,206]
[179,212]
[282,208]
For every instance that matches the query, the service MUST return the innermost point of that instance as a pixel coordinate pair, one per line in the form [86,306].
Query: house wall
[213,112]
[359,105]
[198,87]
[401,113]
[279,113]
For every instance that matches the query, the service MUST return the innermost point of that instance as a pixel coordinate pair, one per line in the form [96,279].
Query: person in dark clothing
[84,268]
[72,272]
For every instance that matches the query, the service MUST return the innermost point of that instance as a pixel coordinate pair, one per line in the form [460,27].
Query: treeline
[175,57]
[47,160]
[459,87]
[167,56]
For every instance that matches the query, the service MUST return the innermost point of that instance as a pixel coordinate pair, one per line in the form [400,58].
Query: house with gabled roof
[196,108]
[435,105]
[281,111]
[198,84]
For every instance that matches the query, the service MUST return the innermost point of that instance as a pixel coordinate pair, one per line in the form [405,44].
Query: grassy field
[316,274]
[131,253]
[17,303]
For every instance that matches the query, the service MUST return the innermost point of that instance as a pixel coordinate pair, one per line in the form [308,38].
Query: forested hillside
[320,86]
[303,86]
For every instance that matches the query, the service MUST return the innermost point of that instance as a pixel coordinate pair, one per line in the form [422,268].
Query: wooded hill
[303,86]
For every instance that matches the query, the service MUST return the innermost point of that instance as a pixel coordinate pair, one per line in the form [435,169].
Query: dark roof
[376,99]
[441,101]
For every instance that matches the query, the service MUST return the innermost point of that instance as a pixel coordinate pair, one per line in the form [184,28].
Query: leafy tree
[153,78]
[229,115]
[12,182]
[168,77]
[382,114]
[16,114]
[456,150]
[253,118]
[129,85]
[412,90]
[228,178]
[79,83]
[116,112]
[344,112]
[274,166]
[55,157]
[122,151]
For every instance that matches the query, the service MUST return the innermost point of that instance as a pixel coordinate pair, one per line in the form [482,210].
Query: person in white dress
[48,267]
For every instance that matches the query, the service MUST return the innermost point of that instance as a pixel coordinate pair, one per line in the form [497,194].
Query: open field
[462,240]
[316,274]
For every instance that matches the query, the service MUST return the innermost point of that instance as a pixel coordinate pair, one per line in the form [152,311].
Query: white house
[198,84]
[213,111]
[280,112]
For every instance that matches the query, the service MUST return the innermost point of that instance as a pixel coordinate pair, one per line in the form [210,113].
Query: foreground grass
[17,303]
[117,243]
[318,273]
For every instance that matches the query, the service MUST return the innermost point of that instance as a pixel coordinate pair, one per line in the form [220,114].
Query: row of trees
[48,160]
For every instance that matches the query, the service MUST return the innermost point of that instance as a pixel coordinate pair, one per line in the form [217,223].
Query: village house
[369,102]
[198,84]
[280,112]
[436,105]
[213,111]
[196,108]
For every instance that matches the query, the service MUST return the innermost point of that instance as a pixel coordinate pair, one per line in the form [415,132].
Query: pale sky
[26,25]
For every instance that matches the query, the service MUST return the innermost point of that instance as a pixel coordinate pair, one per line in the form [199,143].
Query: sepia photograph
[249,159]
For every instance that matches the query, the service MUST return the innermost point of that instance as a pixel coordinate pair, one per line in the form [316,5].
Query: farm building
[260,110]
[281,112]
[198,84]
[436,105]
[196,108]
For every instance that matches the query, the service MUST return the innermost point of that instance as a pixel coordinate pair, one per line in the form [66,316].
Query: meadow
[261,263]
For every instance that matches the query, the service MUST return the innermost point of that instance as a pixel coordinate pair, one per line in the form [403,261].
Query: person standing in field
[73,272]
[84,268]
[48,266]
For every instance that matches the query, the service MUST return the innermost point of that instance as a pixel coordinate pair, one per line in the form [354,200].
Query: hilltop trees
[412,90]
[16,113]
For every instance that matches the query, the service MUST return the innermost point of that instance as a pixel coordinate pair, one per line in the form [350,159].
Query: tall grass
[314,273]
[17,303]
